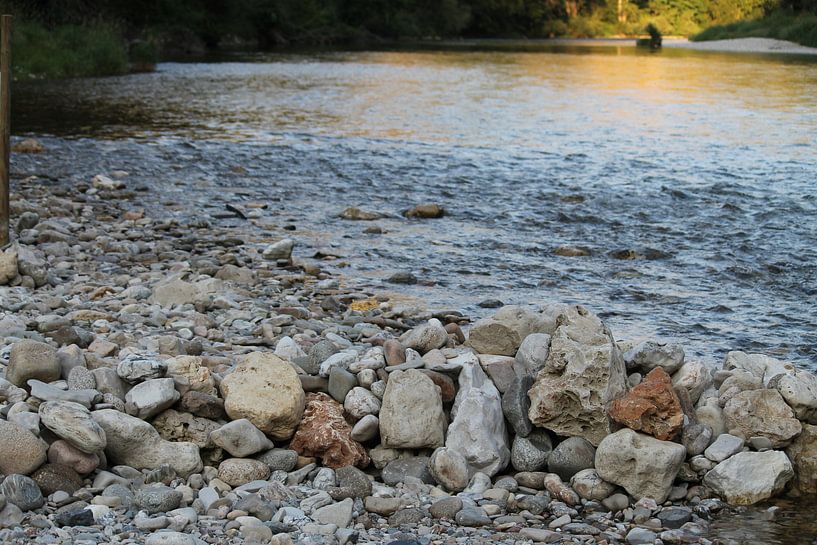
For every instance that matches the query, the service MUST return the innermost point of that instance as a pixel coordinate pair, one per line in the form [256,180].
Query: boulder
[533,353]
[53,477]
[641,464]
[799,390]
[64,453]
[583,374]
[760,366]
[8,265]
[324,433]
[279,251]
[648,355]
[590,486]
[450,469]
[265,390]
[761,413]
[412,412]
[240,438]
[396,471]
[20,450]
[74,423]
[500,369]
[149,398]
[750,477]
[478,428]
[694,377]
[572,455]
[195,376]
[516,405]
[134,442]
[32,360]
[425,337]
[803,455]
[135,368]
[651,407]
[503,333]
[531,453]
[22,491]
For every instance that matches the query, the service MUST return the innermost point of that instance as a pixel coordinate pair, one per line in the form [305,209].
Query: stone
[533,353]
[108,381]
[516,404]
[179,426]
[750,477]
[559,491]
[64,453]
[584,372]
[149,398]
[73,422]
[531,453]
[651,354]
[32,360]
[157,498]
[366,429]
[652,407]
[590,486]
[202,405]
[450,469]
[472,517]
[76,517]
[760,366]
[711,414]
[279,459]
[238,471]
[383,506]
[696,438]
[448,390]
[135,368]
[8,265]
[762,413]
[135,443]
[641,536]
[446,508]
[240,438]
[503,333]
[571,456]
[47,392]
[694,377]
[53,477]
[174,291]
[641,464]
[396,471]
[22,491]
[723,447]
[412,412]
[478,428]
[674,517]
[340,359]
[80,378]
[803,455]
[500,369]
[190,369]
[541,535]
[324,432]
[279,251]
[361,402]
[29,263]
[341,383]
[288,349]
[265,390]
[21,451]
[799,390]
[352,483]
[425,337]
[339,514]
[170,538]
[425,211]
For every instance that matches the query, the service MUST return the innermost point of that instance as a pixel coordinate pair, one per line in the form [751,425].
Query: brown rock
[178,426]
[394,351]
[53,477]
[426,211]
[64,453]
[203,405]
[803,455]
[456,331]
[651,407]
[29,145]
[448,391]
[326,434]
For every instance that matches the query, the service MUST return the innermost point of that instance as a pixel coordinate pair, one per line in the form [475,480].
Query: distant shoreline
[743,45]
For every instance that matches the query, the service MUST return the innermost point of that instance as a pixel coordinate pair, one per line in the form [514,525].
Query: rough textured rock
[750,477]
[642,465]
[32,360]
[396,471]
[326,434]
[240,438]
[136,443]
[531,453]
[723,447]
[648,355]
[157,498]
[799,390]
[503,333]
[53,477]
[238,471]
[590,486]
[762,367]
[426,337]
[196,377]
[20,450]
[184,427]
[450,469]
[533,353]
[478,428]
[361,402]
[73,422]
[265,390]
[694,377]
[135,368]
[149,398]
[571,456]
[803,455]
[412,412]
[761,413]
[651,407]
[584,372]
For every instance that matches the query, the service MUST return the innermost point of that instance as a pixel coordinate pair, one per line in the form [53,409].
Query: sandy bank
[744,45]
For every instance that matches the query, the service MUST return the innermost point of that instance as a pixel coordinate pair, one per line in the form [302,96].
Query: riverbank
[199,378]
[743,45]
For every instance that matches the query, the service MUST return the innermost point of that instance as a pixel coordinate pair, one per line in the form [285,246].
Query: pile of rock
[157,395]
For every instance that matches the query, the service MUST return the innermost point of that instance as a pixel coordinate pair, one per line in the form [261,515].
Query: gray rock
[641,464]
[760,366]
[426,337]
[22,491]
[73,422]
[696,438]
[361,402]
[80,378]
[674,517]
[135,368]
[158,498]
[383,506]
[149,398]
[762,413]
[108,382]
[516,404]
[616,502]
[571,456]
[694,377]
[240,471]
[449,468]
[208,496]
[240,438]
[170,538]
[279,251]
[367,428]
[412,412]
[341,383]
[417,466]
[750,477]
[11,516]
[590,486]
[339,514]
[541,535]
[723,447]
[32,360]
[46,392]
[533,353]
[799,390]
[279,459]
[352,483]
[446,508]
[531,453]
[648,355]
[472,516]
[641,536]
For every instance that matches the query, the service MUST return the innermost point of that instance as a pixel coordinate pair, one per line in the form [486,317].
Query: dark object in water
[654,41]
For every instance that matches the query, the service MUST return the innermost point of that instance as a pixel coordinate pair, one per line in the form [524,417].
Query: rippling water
[701,166]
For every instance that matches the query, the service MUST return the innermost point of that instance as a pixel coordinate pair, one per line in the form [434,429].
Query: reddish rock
[447,389]
[324,433]
[456,331]
[62,452]
[651,407]
[394,352]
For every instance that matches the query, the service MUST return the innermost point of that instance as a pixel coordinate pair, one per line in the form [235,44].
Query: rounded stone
[74,423]
[449,468]
[32,360]
[22,491]
[80,378]
[158,498]
[238,471]
[53,477]
[531,453]
[571,456]
[20,450]
[63,452]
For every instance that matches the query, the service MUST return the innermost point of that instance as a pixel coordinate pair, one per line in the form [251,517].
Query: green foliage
[800,28]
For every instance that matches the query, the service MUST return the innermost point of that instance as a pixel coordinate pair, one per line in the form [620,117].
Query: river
[689,177]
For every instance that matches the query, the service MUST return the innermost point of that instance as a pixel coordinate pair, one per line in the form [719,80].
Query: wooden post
[5,129]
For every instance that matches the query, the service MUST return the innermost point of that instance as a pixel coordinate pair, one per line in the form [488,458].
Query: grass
[67,51]
[801,29]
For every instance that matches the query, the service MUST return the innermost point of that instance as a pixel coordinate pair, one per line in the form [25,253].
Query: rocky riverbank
[179,383]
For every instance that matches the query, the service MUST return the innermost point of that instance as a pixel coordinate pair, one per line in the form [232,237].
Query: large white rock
[750,477]
[149,398]
[694,377]
[74,423]
[412,412]
[643,465]
[134,442]
[240,438]
[478,429]
[583,373]
[503,333]
[175,291]
[800,392]
[265,390]
[761,413]
[425,337]
[758,365]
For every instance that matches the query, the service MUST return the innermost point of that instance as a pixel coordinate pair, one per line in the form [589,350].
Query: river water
[700,168]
